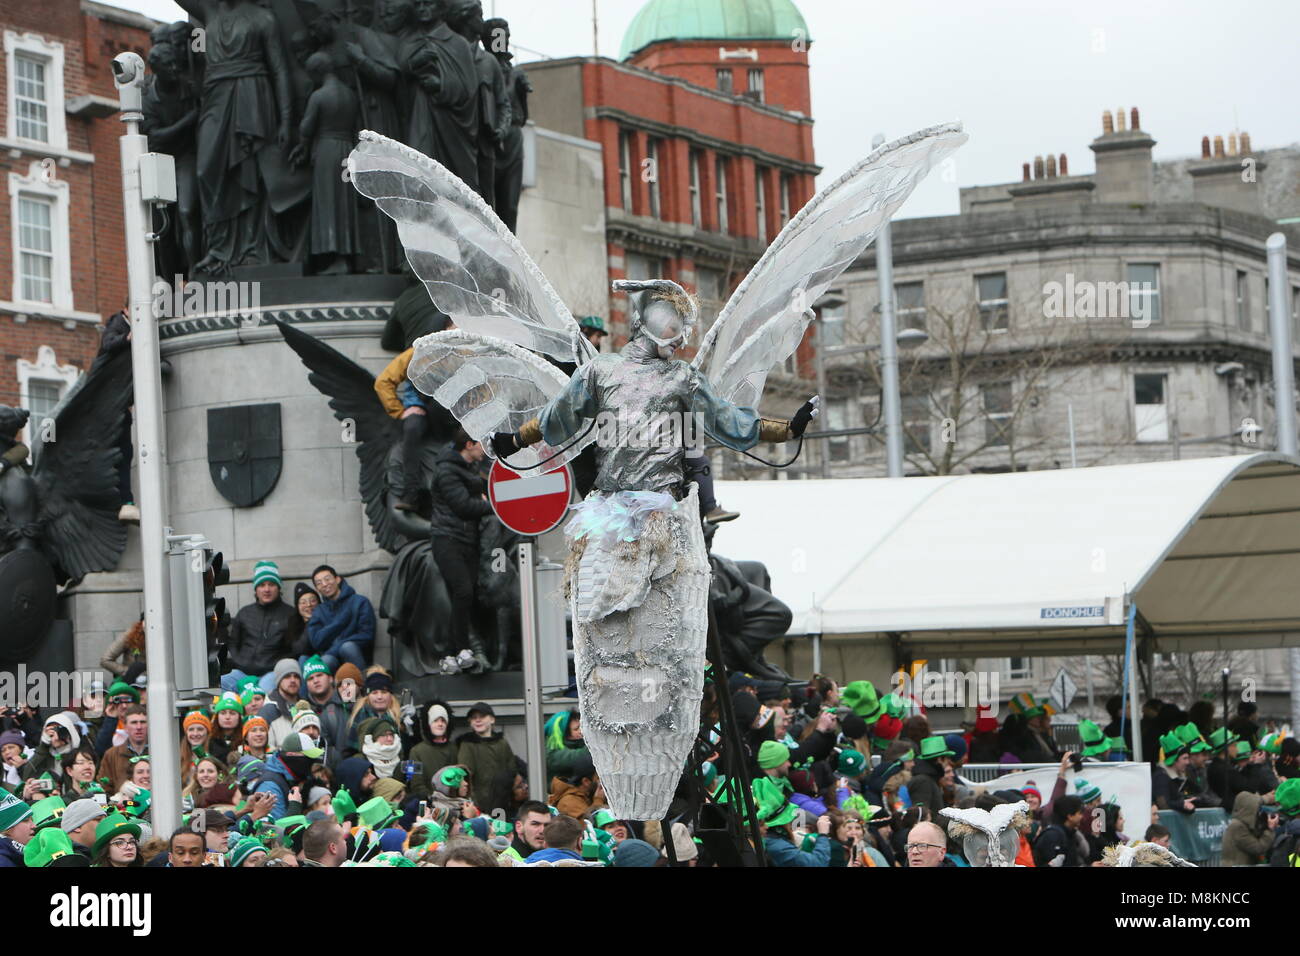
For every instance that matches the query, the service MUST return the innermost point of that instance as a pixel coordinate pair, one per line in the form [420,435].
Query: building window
[785,200]
[760,202]
[911,305]
[1017,668]
[697,208]
[1243,300]
[756,91]
[726,81]
[42,385]
[625,169]
[34,67]
[830,331]
[997,414]
[838,411]
[994,312]
[720,194]
[709,288]
[1150,413]
[1144,292]
[916,424]
[36,248]
[645,267]
[653,153]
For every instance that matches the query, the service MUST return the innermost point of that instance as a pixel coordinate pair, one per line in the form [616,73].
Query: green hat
[1272,743]
[772,754]
[12,811]
[1118,744]
[228,701]
[894,705]
[1095,742]
[1190,735]
[1239,750]
[291,826]
[376,813]
[121,688]
[433,833]
[593,322]
[603,819]
[343,804]
[1221,738]
[245,683]
[851,764]
[301,744]
[48,812]
[314,666]
[1287,796]
[1173,747]
[113,825]
[860,697]
[266,571]
[244,849]
[1085,791]
[452,777]
[246,697]
[771,804]
[933,747]
[858,803]
[138,806]
[49,846]
[1026,705]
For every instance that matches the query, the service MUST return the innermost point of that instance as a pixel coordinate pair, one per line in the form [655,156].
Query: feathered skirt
[639,597]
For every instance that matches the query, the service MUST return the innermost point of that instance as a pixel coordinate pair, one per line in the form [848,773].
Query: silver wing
[474,269]
[492,386]
[765,319]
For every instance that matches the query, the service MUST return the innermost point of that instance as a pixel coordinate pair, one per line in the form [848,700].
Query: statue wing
[75,470]
[490,385]
[765,319]
[351,392]
[473,267]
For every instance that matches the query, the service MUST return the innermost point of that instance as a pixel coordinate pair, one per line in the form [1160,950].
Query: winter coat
[277,781]
[1167,790]
[1286,844]
[333,716]
[44,760]
[259,637]
[413,316]
[278,714]
[118,649]
[484,757]
[457,505]
[431,755]
[349,617]
[1246,841]
[781,852]
[116,765]
[570,799]
[560,761]
[349,775]
[551,854]
[1054,841]
[11,854]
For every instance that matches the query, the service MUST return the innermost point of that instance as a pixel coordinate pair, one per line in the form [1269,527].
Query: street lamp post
[888,347]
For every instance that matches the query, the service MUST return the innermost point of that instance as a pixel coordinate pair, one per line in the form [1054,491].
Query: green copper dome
[713,20]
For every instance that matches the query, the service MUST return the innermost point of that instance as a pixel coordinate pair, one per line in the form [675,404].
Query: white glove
[1058,860]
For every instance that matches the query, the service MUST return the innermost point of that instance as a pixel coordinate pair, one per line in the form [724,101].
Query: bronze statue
[171,114]
[466,18]
[509,166]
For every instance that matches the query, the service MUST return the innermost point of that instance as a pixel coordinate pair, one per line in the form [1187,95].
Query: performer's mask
[665,327]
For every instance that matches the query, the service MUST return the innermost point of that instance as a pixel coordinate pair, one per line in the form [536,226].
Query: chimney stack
[1133,120]
[1024,168]
[1220,179]
[1245,144]
[1218,147]
[1205,147]
[1064,166]
[1125,172]
[1051,166]
[1232,144]
[1038,167]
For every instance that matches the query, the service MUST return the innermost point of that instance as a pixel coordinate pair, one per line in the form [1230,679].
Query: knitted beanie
[266,571]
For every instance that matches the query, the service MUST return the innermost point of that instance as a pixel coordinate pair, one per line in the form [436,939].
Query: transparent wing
[474,269]
[765,319]
[492,386]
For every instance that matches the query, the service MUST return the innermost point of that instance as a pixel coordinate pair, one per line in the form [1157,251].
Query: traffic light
[199,618]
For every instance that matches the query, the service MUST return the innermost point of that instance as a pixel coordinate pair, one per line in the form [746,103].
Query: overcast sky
[1025,77]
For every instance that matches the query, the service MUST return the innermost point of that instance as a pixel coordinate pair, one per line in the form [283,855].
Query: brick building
[62,261]
[707,144]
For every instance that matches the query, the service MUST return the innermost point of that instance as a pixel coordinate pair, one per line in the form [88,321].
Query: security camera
[127,67]
[1229,368]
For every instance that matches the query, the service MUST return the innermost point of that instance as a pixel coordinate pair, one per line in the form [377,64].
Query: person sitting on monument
[259,634]
[342,627]
[403,401]
[459,504]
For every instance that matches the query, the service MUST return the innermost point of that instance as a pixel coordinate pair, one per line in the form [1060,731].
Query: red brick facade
[90,35]
[784,66]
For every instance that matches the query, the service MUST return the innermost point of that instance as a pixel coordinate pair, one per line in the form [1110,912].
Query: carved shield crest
[244,452]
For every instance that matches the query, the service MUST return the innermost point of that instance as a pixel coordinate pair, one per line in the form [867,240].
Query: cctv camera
[127,67]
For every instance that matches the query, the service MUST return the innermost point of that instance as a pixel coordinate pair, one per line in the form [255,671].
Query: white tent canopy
[1035,563]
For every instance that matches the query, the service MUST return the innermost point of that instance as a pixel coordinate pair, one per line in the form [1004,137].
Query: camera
[1077,761]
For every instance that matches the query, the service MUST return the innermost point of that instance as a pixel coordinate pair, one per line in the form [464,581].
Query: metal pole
[1074,457]
[824,451]
[164,748]
[889,347]
[1134,703]
[1283,395]
[595,28]
[817,653]
[1087,669]
[532,672]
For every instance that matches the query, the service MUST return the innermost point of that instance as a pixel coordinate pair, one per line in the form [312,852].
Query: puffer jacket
[259,637]
[457,502]
[430,754]
[484,757]
[1245,842]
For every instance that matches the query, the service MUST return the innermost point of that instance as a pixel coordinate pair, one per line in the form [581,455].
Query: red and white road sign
[529,504]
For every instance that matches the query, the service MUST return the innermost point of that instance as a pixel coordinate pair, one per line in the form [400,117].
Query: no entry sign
[529,504]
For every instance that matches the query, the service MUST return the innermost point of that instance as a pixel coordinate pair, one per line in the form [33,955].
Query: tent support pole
[817,653]
[1134,704]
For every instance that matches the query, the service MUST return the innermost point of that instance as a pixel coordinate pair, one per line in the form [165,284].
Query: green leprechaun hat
[771,804]
[860,697]
[1222,738]
[933,748]
[114,824]
[1095,742]
[48,812]
[52,847]
[1191,737]
[1171,748]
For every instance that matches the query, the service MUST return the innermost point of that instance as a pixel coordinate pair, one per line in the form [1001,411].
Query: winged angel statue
[637,578]
[58,515]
